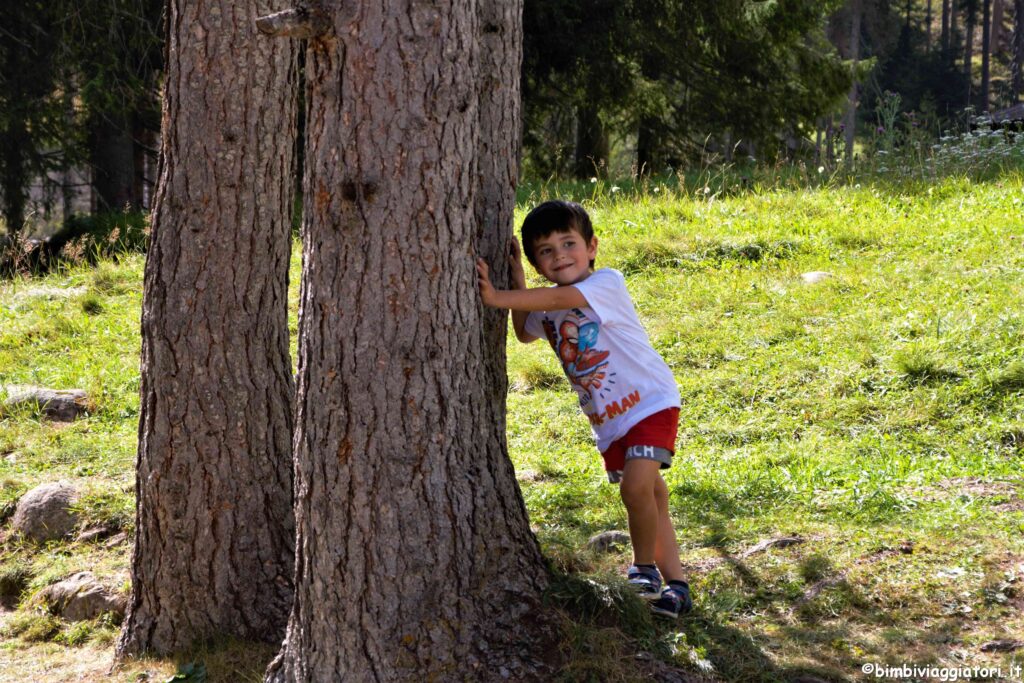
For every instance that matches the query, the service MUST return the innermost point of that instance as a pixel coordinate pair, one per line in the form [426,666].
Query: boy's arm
[537,299]
[523,300]
[515,259]
[519,325]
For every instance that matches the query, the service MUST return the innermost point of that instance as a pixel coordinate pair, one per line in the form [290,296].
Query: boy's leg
[666,548]
[639,480]
[675,599]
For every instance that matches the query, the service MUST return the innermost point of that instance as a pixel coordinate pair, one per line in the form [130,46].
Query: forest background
[610,89]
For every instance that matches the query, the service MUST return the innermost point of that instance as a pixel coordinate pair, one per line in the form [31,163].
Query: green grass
[878,414]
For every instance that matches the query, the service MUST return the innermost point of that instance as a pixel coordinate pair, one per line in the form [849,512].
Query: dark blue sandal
[674,600]
[646,581]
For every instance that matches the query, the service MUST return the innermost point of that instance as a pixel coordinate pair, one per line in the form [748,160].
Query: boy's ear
[592,248]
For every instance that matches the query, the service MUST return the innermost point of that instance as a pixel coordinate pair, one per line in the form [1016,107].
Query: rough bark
[850,116]
[415,560]
[214,547]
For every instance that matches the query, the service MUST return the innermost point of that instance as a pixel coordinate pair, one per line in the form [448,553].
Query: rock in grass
[96,533]
[1002,646]
[815,276]
[81,597]
[116,540]
[45,513]
[608,541]
[62,405]
[782,542]
[49,292]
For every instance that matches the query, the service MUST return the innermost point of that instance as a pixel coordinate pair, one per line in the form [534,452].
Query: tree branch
[300,22]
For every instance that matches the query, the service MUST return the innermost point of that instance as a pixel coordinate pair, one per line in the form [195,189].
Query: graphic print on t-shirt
[607,357]
[584,364]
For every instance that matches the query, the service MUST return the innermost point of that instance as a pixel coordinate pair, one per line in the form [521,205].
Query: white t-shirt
[608,359]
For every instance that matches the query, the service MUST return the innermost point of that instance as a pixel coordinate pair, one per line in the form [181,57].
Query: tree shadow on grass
[817,621]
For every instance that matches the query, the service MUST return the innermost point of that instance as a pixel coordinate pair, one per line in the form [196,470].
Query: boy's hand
[483,279]
[515,259]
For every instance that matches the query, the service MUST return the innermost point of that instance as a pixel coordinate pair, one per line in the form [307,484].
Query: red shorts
[658,430]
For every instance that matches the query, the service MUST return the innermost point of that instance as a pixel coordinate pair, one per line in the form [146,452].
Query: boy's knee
[635,491]
[661,491]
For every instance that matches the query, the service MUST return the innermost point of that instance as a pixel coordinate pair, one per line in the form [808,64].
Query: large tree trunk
[415,560]
[850,117]
[214,547]
[986,48]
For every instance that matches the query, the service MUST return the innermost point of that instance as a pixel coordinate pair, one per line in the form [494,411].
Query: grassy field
[877,416]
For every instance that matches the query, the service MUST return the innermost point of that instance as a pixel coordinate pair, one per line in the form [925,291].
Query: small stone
[608,541]
[733,357]
[1002,646]
[117,539]
[815,276]
[62,405]
[782,542]
[96,533]
[81,597]
[505,673]
[45,513]
[529,475]
[49,292]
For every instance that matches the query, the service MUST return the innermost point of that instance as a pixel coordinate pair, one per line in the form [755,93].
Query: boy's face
[564,257]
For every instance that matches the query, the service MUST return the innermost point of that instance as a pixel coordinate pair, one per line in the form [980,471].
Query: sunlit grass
[877,414]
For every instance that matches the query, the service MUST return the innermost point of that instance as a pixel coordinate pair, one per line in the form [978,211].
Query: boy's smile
[564,257]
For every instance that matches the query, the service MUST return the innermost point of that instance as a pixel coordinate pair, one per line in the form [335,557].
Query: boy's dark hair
[554,216]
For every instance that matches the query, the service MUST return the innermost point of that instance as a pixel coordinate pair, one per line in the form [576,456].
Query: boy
[625,389]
